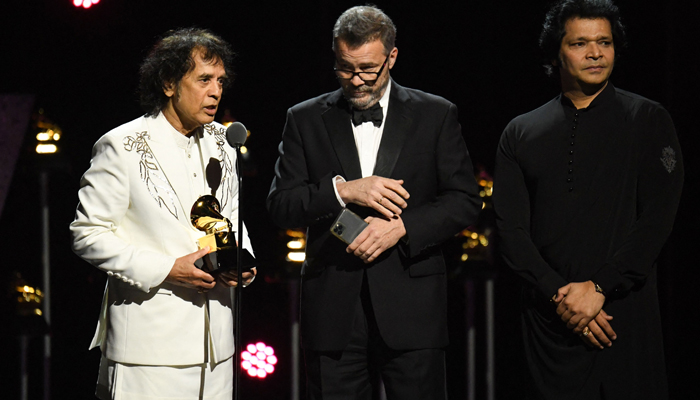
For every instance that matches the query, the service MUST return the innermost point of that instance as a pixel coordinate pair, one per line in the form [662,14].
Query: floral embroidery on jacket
[224,161]
[156,182]
[668,158]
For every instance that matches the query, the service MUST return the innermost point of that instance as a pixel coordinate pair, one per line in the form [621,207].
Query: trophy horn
[206,216]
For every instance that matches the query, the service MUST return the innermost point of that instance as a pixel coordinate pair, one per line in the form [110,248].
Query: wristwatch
[599,289]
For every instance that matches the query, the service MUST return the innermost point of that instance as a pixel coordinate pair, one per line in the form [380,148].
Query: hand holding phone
[347,226]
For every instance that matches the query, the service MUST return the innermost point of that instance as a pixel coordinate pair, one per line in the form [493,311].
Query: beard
[375,94]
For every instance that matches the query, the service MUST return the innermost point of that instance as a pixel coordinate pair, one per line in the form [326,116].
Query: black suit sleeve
[455,202]
[296,199]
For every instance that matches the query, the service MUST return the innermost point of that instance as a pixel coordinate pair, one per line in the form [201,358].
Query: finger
[394,199]
[605,315]
[563,309]
[606,327]
[591,340]
[369,245]
[228,277]
[560,308]
[383,207]
[202,276]
[389,205]
[227,282]
[375,254]
[352,247]
[201,252]
[362,251]
[573,321]
[370,254]
[206,285]
[603,339]
[396,186]
[579,324]
[562,292]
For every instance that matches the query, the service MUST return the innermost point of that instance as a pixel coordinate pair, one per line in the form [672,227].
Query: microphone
[236,134]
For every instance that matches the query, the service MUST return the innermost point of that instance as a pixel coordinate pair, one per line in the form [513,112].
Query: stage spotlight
[296,256]
[258,360]
[48,136]
[85,3]
[296,244]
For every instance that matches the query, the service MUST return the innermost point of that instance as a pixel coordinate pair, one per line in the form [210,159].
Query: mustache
[363,88]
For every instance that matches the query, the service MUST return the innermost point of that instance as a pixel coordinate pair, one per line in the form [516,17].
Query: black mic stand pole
[239,286]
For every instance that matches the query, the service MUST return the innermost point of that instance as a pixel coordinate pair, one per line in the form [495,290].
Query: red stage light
[85,3]
[258,360]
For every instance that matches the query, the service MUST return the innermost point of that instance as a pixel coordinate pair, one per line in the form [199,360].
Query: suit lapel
[398,122]
[337,121]
[219,165]
[173,172]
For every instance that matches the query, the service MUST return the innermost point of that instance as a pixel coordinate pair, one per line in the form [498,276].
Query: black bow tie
[373,114]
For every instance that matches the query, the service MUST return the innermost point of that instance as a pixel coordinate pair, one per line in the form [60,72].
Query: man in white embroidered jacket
[166,326]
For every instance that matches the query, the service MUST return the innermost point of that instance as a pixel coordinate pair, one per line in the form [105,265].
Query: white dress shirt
[367,139]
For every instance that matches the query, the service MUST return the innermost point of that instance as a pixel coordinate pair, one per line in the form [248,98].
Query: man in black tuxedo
[395,156]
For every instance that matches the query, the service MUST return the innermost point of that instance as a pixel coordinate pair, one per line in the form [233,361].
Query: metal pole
[490,350]
[24,382]
[239,288]
[46,279]
[294,317]
[471,340]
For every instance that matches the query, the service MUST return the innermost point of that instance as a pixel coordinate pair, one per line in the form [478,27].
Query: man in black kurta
[586,191]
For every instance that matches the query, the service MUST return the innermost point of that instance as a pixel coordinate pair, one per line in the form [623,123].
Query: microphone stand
[239,287]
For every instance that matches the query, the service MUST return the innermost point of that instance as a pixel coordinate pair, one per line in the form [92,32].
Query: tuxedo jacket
[422,144]
[133,222]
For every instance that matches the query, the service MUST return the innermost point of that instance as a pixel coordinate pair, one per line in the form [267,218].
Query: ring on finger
[380,200]
[586,331]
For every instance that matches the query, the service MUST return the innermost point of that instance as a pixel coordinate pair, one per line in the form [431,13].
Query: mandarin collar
[603,97]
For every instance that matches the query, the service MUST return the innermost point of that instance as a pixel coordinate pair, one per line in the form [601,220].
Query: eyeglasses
[368,78]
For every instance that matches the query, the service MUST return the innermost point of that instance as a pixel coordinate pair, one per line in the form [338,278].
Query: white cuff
[335,189]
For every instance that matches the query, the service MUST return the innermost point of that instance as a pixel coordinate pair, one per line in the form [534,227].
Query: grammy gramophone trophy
[220,236]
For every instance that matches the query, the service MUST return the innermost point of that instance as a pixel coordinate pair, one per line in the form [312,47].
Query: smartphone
[347,226]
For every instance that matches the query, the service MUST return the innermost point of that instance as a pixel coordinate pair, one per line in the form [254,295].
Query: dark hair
[363,24]
[554,27]
[172,57]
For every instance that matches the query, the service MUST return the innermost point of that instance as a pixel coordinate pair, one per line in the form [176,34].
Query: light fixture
[258,360]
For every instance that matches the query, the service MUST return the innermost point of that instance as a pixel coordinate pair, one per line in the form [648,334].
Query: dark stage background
[82,68]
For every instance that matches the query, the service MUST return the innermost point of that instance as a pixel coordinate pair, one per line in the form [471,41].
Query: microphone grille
[236,134]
